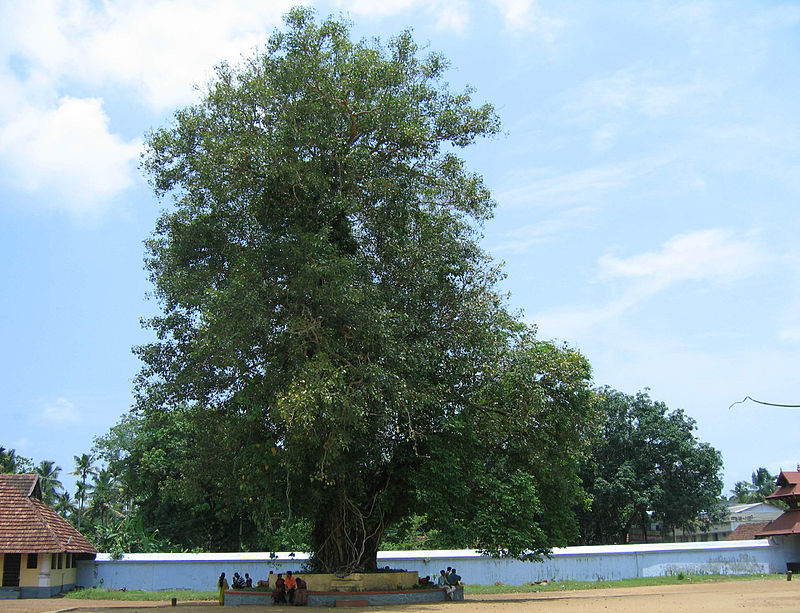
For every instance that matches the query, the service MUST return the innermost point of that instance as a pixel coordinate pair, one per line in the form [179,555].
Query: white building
[757,514]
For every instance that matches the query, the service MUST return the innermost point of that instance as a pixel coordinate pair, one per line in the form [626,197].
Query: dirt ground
[768,595]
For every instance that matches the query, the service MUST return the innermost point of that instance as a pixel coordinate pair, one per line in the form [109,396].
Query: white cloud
[386,8]
[454,15]
[790,334]
[604,137]
[62,411]
[641,92]
[521,239]
[526,15]
[62,146]
[710,256]
[713,255]
[68,152]
[450,15]
[585,185]
[158,50]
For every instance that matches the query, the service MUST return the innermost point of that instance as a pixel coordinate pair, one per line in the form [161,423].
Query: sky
[647,182]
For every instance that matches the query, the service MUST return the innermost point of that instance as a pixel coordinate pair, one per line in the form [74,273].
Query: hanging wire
[769,404]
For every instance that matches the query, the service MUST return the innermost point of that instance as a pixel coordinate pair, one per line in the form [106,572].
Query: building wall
[200,571]
[44,581]
[29,577]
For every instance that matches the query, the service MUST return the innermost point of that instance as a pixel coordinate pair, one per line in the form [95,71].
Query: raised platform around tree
[235,598]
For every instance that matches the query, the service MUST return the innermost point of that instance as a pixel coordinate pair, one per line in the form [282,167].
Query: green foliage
[48,479]
[333,352]
[204,482]
[10,462]
[761,485]
[410,533]
[646,465]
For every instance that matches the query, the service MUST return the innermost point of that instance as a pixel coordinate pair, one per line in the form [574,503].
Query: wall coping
[300,558]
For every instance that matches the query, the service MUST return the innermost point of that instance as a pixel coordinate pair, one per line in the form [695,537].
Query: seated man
[238,582]
[291,586]
[445,585]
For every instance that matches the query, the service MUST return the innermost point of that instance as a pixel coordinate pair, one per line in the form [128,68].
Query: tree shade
[332,342]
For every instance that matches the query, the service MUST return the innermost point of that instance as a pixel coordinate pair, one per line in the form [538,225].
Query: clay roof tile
[27,525]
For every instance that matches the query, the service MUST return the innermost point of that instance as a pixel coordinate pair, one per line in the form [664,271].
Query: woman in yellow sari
[222,584]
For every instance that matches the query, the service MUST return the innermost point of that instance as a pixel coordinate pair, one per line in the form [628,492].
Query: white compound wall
[604,562]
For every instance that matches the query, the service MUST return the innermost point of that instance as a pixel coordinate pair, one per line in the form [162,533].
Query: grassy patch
[557,586]
[95,593]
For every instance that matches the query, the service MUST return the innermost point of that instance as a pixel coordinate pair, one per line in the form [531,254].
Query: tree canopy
[333,347]
[647,466]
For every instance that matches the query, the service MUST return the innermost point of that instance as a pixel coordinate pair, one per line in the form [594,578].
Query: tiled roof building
[38,548]
[789,492]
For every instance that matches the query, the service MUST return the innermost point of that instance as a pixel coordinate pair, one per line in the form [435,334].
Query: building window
[60,560]
[69,560]
[33,560]
[54,561]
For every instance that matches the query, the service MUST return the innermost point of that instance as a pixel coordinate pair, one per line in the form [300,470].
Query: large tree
[329,315]
[646,465]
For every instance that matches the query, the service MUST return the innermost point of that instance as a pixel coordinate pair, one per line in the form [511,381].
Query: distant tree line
[163,483]
[98,507]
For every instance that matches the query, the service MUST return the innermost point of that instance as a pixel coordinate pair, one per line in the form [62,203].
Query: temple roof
[788,485]
[788,523]
[28,525]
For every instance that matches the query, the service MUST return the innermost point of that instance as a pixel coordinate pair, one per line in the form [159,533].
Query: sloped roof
[788,523]
[27,525]
[746,532]
[752,507]
[788,485]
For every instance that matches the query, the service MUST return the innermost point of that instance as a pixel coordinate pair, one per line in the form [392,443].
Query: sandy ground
[769,595]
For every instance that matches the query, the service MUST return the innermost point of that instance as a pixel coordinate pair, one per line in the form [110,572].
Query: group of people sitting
[240,583]
[448,581]
[294,590]
[290,589]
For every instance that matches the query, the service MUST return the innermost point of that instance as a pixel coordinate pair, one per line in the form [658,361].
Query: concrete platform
[332,599]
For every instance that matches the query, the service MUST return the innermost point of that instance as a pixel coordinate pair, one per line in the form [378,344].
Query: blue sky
[646,183]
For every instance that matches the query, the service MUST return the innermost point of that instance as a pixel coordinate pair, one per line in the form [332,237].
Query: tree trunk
[346,538]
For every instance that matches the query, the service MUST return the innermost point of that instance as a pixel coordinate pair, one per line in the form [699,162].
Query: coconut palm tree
[10,462]
[48,479]
[762,484]
[64,505]
[84,467]
[105,495]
